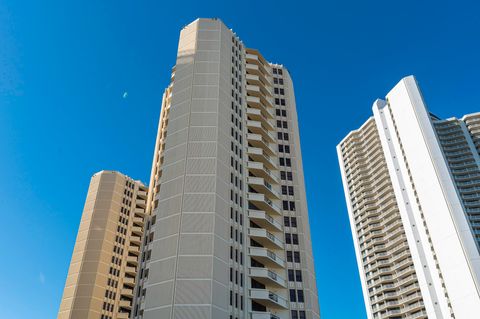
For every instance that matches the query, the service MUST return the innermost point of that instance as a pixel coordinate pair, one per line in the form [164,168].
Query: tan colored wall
[104,212]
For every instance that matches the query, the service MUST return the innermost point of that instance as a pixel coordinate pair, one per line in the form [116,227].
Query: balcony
[132,260]
[260,170]
[129,281]
[258,155]
[264,220]
[138,221]
[262,186]
[125,304]
[136,240]
[259,115]
[256,70]
[141,202]
[254,58]
[257,128]
[256,91]
[123,315]
[137,230]
[266,257]
[131,270]
[267,277]
[263,203]
[142,194]
[139,212]
[127,292]
[257,140]
[256,80]
[134,250]
[265,238]
[268,298]
[263,315]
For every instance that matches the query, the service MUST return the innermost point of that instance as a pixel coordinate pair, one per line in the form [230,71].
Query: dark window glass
[296,256]
[288,238]
[294,221]
[295,239]
[298,275]
[293,296]
[300,296]
[291,276]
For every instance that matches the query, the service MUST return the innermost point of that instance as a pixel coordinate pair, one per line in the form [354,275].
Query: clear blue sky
[64,66]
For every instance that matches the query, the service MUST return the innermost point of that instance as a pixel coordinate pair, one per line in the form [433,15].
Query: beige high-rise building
[412,186]
[104,264]
[229,236]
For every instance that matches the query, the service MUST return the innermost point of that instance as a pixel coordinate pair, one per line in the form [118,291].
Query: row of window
[121,230]
[288,205]
[279,101]
[279,91]
[118,250]
[286,176]
[284,148]
[107,306]
[282,136]
[125,211]
[236,276]
[291,238]
[290,221]
[287,190]
[116,261]
[114,272]
[235,234]
[235,299]
[126,202]
[293,256]
[282,124]
[277,71]
[112,283]
[285,162]
[110,294]
[298,314]
[127,193]
[296,295]
[295,275]
[279,112]
[277,81]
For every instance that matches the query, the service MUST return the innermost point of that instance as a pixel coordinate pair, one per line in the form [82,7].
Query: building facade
[228,235]
[412,189]
[102,273]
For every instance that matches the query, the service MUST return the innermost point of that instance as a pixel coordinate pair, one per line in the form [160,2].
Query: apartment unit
[229,234]
[102,274]
[412,187]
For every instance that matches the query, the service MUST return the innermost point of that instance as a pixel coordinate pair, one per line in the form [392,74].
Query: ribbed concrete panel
[202,149]
[197,222]
[195,244]
[162,270]
[164,248]
[201,166]
[188,312]
[171,188]
[203,133]
[194,267]
[173,171]
[199,184]
[199,203]
[168,226]
[161,296]
[193,292]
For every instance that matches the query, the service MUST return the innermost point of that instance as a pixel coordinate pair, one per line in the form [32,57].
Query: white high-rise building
[412,186]
[229,235]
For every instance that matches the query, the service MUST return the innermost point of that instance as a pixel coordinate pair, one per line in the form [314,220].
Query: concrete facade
[229,234]
[102,272]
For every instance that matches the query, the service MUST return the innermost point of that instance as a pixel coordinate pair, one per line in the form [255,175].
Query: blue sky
[64,66]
